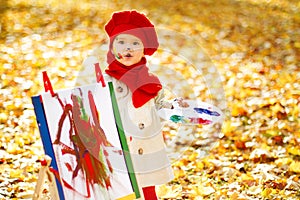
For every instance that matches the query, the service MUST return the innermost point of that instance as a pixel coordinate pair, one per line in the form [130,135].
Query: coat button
[141,126]
[119,89]
[140,151]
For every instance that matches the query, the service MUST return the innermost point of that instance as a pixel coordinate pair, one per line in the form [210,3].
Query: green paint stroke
[177,118]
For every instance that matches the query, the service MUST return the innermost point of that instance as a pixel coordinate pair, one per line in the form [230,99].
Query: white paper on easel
[86,143]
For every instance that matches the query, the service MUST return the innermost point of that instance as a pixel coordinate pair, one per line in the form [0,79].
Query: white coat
[143,130]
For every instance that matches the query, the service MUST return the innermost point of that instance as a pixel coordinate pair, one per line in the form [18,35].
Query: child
[139,94]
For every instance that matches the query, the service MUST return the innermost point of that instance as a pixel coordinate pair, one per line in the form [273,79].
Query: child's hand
[182,103]
[167,105]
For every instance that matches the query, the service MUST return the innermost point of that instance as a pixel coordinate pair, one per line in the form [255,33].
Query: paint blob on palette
[193,113]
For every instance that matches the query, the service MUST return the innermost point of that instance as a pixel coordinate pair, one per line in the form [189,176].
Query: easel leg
[46,174]
[39,185]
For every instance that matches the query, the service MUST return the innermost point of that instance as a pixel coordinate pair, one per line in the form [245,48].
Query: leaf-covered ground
[254,45]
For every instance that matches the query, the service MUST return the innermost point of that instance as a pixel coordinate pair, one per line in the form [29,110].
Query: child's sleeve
[160,101]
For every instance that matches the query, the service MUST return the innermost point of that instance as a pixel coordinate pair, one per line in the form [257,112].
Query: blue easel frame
[45,135]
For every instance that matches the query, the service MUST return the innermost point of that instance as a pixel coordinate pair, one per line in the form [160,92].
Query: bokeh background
[248,49]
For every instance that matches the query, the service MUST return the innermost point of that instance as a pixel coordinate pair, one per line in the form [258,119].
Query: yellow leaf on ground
[266,193]
[203,190]
[295,167]
[199,165]
[15,173]
[246,177]
[294,151]
[283,161]
[167,192]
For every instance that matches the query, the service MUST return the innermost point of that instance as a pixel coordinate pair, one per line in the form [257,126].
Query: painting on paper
[86,145]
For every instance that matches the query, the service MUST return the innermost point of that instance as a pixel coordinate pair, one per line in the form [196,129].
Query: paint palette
[194,112]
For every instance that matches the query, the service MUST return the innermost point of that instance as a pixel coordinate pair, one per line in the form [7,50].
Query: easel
[46,174]
[49,167]
[46,171]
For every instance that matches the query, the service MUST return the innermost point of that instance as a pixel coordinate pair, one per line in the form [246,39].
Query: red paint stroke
[89,143]
[69,167]
[198,120]
[120,56]
[120,152]
[55,172]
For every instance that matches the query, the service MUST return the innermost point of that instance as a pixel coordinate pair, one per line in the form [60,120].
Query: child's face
[128,49]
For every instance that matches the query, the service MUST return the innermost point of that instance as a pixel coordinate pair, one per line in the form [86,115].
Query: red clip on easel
[47,84]
[99,75]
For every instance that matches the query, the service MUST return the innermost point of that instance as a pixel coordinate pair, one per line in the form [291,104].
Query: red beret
[137,24]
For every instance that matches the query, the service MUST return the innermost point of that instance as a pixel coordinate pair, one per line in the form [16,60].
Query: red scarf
[143,85]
